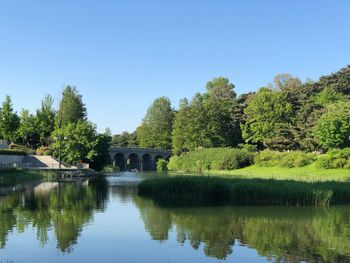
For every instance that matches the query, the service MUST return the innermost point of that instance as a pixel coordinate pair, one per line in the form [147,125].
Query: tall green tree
[268,119]
[220,103]
[9,121]
[27,131]
[156,128]
[45,116]
[333,127]
[180,132]
[80,142]
[71,109]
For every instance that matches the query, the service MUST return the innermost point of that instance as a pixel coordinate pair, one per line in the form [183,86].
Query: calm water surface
[105,220]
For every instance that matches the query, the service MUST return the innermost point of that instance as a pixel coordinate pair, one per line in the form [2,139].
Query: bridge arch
[134,162]
[147,162]
[141,159]
[119,160]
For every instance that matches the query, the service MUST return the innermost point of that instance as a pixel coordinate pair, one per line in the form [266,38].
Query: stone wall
[11,158]
[3,144]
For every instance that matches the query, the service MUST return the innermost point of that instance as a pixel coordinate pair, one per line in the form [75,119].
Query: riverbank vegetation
[203,190]
[11,177]
[211,159]
[267,164]
[66,131]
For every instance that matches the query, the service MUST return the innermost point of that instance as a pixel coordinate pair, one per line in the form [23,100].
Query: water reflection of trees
[66,209]
[282,234]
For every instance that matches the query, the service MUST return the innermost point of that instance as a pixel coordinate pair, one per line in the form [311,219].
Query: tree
[180,127]
[71,109]
[328,96]
[9,121]
[268,119]
[155,130]
[79,142]
[46,119]
[220,102]
[27,130]
[285,82]
[103,143]
[333,127]
[125,139]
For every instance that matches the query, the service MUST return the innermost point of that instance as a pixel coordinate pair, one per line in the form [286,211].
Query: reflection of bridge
[141,159]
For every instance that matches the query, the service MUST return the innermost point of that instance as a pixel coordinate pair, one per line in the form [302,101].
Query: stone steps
[37,161]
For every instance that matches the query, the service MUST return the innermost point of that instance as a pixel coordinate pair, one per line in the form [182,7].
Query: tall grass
[203,190]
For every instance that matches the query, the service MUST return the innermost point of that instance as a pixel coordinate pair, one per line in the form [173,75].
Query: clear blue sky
[123,54]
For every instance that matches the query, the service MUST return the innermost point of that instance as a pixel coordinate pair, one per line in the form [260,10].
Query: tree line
[287,114]
[66,130]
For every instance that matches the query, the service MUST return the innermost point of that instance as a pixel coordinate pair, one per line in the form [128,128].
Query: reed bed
[206,190]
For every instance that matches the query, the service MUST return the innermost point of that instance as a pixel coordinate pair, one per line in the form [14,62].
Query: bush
[12,152]
[110,169]
[290,159]
[162,165]
[48,153]
[42,150]
[335,159]
[211,159]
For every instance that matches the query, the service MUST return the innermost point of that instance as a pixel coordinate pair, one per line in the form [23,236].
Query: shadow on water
[65,207]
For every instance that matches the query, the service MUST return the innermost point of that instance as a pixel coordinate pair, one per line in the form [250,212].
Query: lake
[105,220]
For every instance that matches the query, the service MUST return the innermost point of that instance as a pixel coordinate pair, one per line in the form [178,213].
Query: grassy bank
[309,173]
[204,190]
[240,163]
[12,177]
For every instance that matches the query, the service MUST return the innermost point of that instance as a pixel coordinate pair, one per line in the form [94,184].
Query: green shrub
[41,150]
[290,159]
[211,159]
[162,165]
[335,159]
[12,152]
[48,152]
[110,169]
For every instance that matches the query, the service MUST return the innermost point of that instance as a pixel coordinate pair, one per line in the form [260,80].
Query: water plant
[203,190]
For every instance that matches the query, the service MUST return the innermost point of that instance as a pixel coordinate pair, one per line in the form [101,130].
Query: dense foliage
[335,159]
[290,159]
[287,114]
[72,108]
[211,159]
[125,139]
[333,127]
[50,132]
[156,127]
[162,165]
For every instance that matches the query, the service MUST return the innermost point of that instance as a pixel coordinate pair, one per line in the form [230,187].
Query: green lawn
[308,173]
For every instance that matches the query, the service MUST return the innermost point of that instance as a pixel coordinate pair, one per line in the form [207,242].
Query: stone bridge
[140,159]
